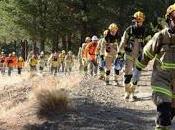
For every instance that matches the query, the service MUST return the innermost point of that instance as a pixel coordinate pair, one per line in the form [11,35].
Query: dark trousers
[19,70]
[165,114]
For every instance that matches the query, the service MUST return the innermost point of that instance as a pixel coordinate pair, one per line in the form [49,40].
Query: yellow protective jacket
[69,59]
[133,39]
[100,50]
[161,48]
[62,57]
[33,61]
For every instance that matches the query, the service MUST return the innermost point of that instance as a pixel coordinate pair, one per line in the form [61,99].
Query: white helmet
[42,53]
[94,38]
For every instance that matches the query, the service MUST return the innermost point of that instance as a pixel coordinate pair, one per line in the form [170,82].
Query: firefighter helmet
[139,16]
[170,9]
[113,26]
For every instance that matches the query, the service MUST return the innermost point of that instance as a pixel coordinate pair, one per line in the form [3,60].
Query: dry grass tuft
[51,96]
[51,102]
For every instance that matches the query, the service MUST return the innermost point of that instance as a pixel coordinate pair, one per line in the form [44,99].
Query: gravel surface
[94,106]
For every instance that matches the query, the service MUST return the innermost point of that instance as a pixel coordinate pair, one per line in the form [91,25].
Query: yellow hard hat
[139,16]
[170,9]
[113,26]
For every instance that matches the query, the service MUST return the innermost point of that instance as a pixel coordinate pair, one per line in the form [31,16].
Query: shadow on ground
[90,115]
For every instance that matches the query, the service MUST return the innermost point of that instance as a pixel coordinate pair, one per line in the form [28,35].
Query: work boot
[127,91]
[132,91]
[116,83]
[107,80]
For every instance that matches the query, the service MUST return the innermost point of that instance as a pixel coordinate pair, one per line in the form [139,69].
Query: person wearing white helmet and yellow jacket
[132,43]
[61,59]
[69,62]
[109,50]
[161,48]
[41,61]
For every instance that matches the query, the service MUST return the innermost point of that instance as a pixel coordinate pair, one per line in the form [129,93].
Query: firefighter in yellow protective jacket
[162,48]
[131,45]
[109,50]
[54,63]
[100,54]
[69,62]
[33,61]
[61,59]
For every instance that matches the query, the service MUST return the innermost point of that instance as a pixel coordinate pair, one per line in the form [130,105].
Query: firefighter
[9,63]
[132,43]
[61,58]
[83,54]
[33,61]
[2,63]
[80,59]
[91,57]
[20,64]
[69,62]
[54,63]
[161,48]
[100,53]
[41,62]
[15,59]
[109,50]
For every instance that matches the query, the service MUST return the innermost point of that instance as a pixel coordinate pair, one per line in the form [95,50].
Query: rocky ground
[94,106]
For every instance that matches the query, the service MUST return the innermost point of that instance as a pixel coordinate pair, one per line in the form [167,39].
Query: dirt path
[96,107]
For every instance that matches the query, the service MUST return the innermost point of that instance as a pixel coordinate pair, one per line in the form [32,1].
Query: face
[87,41]
[113,32]
[138,23]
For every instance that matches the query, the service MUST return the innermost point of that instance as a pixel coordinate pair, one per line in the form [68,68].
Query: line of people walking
[132,53]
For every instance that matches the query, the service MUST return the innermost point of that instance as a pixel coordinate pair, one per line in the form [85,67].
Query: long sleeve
[150,50]
[124,41]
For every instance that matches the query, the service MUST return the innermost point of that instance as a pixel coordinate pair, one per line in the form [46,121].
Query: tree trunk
[64,42]
[42,45]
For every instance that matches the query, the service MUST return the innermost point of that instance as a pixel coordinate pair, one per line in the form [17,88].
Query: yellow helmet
[139,16]
[170,9]
[113,26]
